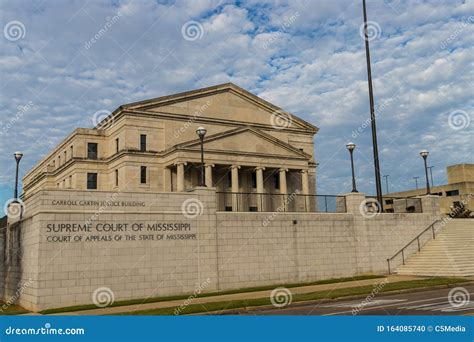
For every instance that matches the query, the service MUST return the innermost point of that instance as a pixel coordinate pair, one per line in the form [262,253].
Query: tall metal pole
[378,184]
[431,174]
[416,182]
[386,182]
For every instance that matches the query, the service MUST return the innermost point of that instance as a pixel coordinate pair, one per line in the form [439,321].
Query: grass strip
[327,294]
[209,294]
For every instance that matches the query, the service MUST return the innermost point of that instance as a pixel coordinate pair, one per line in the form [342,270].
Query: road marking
[388,305]
[363,303]
[443,306]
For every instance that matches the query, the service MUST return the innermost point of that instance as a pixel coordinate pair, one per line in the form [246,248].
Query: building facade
[251,146]
[460,188]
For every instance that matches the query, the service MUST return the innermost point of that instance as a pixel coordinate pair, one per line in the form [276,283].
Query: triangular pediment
[246,140]
[226,102]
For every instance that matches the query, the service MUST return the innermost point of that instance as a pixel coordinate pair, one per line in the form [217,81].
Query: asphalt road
[429,302]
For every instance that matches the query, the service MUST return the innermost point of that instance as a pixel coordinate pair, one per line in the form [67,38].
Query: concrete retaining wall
[174,243]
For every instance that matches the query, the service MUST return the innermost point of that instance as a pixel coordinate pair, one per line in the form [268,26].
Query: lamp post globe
[424,154]
[201,132]
[351,146]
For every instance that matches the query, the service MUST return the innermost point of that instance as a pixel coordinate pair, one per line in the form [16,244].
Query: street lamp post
[424,155]
[351,146]
[201,132]
[18,156]
[416,182]
[378,183]
[431,175]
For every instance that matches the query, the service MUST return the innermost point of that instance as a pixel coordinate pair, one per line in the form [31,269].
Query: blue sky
[304,56]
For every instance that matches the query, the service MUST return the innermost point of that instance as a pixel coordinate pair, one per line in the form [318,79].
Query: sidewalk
[237,296]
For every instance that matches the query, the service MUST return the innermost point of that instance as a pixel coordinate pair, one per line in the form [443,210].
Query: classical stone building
[251,146]
[116,212]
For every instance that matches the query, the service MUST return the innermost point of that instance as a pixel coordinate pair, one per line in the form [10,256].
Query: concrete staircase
[450,254]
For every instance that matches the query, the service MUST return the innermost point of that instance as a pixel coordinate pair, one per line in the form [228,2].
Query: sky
[65,63]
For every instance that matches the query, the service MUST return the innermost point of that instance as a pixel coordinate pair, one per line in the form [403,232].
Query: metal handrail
[417,239]
[284,208]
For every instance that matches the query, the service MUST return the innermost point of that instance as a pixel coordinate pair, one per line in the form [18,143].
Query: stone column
[260,188]
[180,174]
[283,188]
[167,179]
[208,168]
[305,189]
[235,187]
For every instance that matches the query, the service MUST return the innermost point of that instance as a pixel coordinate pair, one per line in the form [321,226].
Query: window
[92,181]
[253,209]
[229,179]
[276,180]
[72,152]
[70,181]
[117,145]
[116,177]
[143,174]
[65,156]
[254,180]
[142,142]
[91,150]
[452,193]
[59,161]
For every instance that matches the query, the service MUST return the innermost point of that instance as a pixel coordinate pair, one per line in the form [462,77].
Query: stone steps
[451,253]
